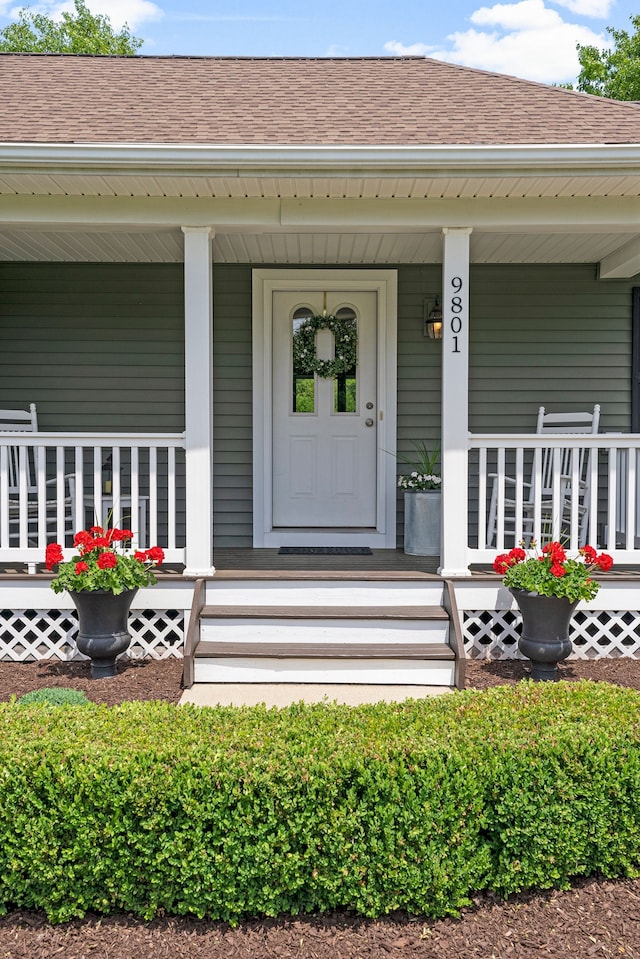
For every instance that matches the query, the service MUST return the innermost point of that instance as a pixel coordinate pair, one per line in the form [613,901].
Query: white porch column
[198,335]
[455,400]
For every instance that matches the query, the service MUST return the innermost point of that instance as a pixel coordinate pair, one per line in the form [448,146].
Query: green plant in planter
[550,572]
[423,475]
[54,696]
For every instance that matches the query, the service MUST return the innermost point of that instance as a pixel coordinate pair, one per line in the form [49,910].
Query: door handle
[368,422]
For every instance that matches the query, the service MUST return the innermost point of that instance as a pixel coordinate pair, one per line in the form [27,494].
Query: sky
[533,39]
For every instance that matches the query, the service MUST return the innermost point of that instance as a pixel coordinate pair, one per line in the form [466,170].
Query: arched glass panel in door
[345,391]
[304,390]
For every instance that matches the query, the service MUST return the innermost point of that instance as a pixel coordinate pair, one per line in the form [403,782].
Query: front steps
[357,628]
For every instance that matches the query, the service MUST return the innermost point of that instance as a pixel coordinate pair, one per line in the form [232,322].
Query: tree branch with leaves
[79,32]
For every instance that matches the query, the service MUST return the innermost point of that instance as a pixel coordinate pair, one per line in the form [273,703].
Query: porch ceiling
[166,246]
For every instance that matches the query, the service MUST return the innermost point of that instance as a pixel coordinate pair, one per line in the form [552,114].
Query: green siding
[551,336]
[232,407]
[100,346]
[95,346]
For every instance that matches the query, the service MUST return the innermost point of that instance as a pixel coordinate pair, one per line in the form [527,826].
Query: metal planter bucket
[422,518]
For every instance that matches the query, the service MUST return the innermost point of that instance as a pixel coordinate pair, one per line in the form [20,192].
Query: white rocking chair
[551,424]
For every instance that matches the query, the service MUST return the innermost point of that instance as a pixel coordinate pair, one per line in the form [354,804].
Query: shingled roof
[369,101]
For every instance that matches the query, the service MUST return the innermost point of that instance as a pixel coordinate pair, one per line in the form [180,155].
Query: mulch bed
[596,918]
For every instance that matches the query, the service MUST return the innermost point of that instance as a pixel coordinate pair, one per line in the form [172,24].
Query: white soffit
[334,187]
[313,248]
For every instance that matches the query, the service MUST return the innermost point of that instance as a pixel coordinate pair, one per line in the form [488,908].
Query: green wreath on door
[346,345]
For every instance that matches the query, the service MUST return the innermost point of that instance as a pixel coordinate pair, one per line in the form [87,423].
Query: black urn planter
[103,627]
[545,631]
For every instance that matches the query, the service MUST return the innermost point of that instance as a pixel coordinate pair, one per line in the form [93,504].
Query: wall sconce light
[433,319]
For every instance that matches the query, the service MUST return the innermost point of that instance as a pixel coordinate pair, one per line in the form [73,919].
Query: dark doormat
[325,551]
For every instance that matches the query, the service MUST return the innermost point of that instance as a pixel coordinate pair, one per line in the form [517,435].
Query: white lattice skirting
[30,634]
[493,634]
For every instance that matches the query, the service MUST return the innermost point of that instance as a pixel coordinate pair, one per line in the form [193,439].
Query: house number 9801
[456,310]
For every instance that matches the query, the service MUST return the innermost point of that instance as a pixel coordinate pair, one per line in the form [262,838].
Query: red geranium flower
[83,538]
[557,569]
[53,555]
[97,530]
[604,561]
[140,555]
[555,551]
[501,563]
[107,560]
[156,553]
[517,554]
[81,567]
[589,554]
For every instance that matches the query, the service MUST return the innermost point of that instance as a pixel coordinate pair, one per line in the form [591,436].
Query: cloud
[525,39]
[133,12]
[412,50]
[588,8]
[336,50]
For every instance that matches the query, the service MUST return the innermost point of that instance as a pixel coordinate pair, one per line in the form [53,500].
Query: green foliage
[613,72]
[128,573]
[550,572]
[82,32]
[54,696]
[224,813]
[534,577]
[423,475]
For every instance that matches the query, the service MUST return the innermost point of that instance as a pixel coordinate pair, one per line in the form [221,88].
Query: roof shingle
[226,101]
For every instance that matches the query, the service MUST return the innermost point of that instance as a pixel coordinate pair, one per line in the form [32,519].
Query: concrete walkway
[283,694]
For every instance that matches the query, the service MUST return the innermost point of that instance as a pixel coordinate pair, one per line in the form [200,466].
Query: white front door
[322,473]
[324,427]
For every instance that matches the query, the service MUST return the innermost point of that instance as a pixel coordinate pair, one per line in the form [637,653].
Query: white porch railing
[578,489]
[54,484]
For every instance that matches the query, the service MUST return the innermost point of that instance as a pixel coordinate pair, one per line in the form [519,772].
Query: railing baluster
[592,530]
[536,480]
[59,496]
[611,504]
[519,497]
[482,499]
[501,499]
[116,487]
[556,488]
[78,491]
[153,497]
[4,497]
[23,496]
[98,519]
[631,501]
[573,493]
[40,454]
[135,497]
[171,498]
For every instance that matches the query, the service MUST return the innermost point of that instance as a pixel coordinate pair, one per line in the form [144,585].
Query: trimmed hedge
[225,812]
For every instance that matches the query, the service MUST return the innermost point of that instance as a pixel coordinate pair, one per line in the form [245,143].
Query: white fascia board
[229,160]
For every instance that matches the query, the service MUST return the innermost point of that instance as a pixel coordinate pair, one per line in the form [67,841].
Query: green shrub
[55,696]
[229,812]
